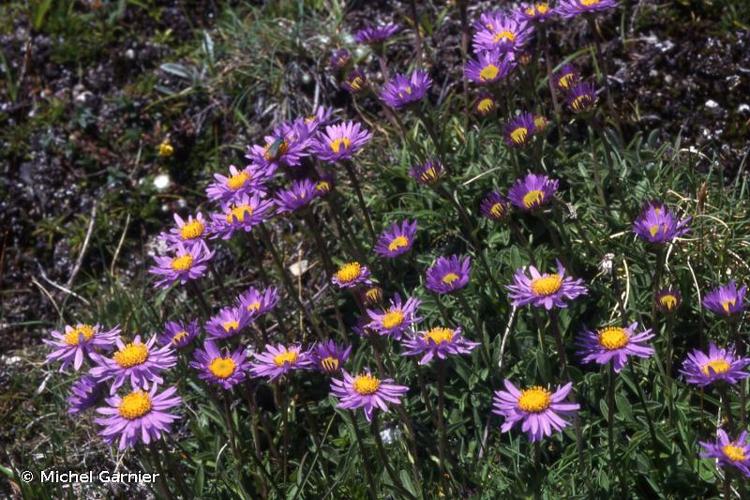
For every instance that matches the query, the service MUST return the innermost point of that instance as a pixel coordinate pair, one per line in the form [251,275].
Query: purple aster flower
[340,141]
[582,97]
[485,104]
[186,263]
[497,31]
[439,341]
[395,320]
[140,416]
[728,452]
[299,194]
[402,90]
[495,206]
[539,410]
[242,215]
[79,342]
[615,344]
[226,369]
[396,240]
[726,300]
[668,300]
[85,392]
[351,274]
[566,78]
[520,130]
[657,224]
[248,181]
[544,290]
[178,334]
[366,391]
[279,360]
[572,8]
[373,35]
[354,82]
[329,356]
[320,116]
[257,302]
[362,327]
[229,322]
[532,192]
[427,173]
[187,231]
[448,274]
[536,11]
[136,362]
[340,58]
[287,145]
[719,364]
[489,67]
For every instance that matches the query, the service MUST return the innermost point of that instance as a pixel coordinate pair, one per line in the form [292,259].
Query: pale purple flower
[614,344]
[185,264]
[439,341]
[243,214]
[178,334]
[76,343]
[223,368]
[396,319]
[402,89]
[544,290]
[278,360]
[329,357]
[136,362]
[340,141]
[229,322]
[85,393]
[703,369]
[729,453]
[366,391]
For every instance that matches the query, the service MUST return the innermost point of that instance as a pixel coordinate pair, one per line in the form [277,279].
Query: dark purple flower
[495,206]
[279,360]
[448,274]
[402,90]
[485,104]
[498,31]
[657,224]
[519,130]
[427,173]
[668,300]
[340,58]
[248,181]
[536,11]
[532,192]
[178,334]
[373,35]
[228,323]
[726,300]
[299,194]
[350,275]
[243,214]
[572,8]
[287,145]
[489,67]
[397,239]
[582,97]
[566,77]
[320,116]
[354,82]
[329,357]
[257,302]
[703,369]
[728,452]
[85,393]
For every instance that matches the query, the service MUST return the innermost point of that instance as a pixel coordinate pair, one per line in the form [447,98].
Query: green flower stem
[642,399]
[361,199]
[372,491]
[375,429]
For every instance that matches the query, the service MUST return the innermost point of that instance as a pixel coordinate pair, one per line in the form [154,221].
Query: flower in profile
[185,264]
[540,124]
[485,104]
[373,35]
[179,334]
[222,368]
[340,58]
[299,194]
[657,224]
[366,391]
[243,214]
[76,343]
[325,184]
[703,369]
[402,90]
[572,8]
[279,360]
[257,302]
[188,231]
[489,67]
[495,206]
[228,323]
[340,141]
[729,453]
[397,239]
[372,295]
[582,97]
[520,130]
[85,393]
[448,274]
[396,319]
[245,182]
[439,341]
[355,81]
[320,116]
[726,300]
[351,274]
[497,31]
[329,356]
[536,11]
[287,145]
[539,410]
[428,173]
[532,192]
[136,362]
[566,78]
[140,416]
[544,290]
[668,300]
[615,344]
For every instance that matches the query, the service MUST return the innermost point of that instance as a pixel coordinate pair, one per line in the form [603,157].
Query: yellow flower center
[398,242]
[323,186]
[542,8]
[179,337]
[580,103]
[356,83]
[518,136]
[183,262]
[230,325]
[283,358]
[349,272]
[613,337]
[329,363]
[530,11]
[449,278]
[486,105]
[505,35]
[366,384]
[566,81]
[253,306]
[535,399]
[653,229]
[734,453]
[546,285]
[726,304]
[131,355]
[489,72]
[340,142]
[71,338]
[166,148]
[533,197]
[668,302]
[192,230]
[540,122]
[497,210]
[392,319]
[135,405]
[238,212]
[222,367]
[238,180]
[438,335]
[718,366]
[589,3]
[374,294]
[430,175]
